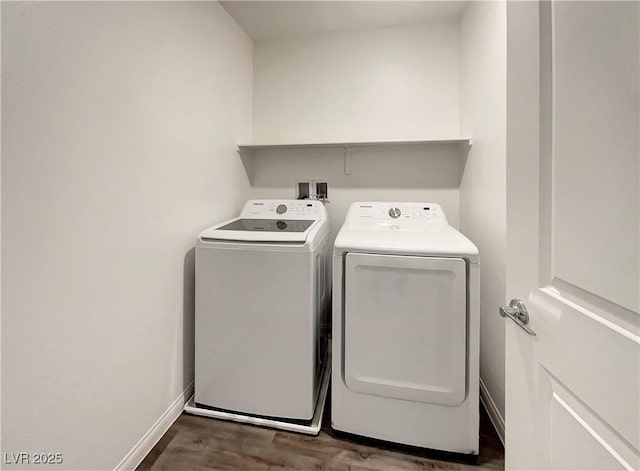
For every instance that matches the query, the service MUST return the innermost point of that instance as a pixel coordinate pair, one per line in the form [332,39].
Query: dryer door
[405,323]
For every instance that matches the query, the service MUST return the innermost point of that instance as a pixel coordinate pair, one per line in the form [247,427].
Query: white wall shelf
[348,145]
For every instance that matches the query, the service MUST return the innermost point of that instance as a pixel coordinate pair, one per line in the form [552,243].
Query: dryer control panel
[284,209]
[398,213]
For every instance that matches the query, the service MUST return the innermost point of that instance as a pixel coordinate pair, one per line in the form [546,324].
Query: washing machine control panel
[284,209]
[412,214]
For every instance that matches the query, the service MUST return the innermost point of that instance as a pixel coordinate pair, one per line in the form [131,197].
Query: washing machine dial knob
[395,213]
[281,209]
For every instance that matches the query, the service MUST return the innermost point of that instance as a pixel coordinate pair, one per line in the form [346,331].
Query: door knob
[517,312]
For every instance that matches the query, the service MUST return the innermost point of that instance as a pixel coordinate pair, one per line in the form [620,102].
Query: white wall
[425,173]
[483,188]
[391,83]
[119,127]
[386,83]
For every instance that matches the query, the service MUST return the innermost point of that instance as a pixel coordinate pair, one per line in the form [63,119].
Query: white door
[572,391]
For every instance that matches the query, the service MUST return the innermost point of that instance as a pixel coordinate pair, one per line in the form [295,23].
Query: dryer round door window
[395,213]
[281,209]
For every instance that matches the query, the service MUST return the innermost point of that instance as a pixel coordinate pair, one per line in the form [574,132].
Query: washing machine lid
[260,230]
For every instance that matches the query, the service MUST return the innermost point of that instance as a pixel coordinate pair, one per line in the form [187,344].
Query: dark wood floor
[199,443]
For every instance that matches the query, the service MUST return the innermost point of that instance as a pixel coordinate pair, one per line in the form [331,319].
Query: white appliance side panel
[256,333]
[405,327]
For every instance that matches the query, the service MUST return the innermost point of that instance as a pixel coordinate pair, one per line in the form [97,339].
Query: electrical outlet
[322,190]
[303,190]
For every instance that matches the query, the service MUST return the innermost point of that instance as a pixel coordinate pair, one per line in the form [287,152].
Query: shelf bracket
[347,160]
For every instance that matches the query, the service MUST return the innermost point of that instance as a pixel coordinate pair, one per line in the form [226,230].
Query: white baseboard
[492,410]
[155,433]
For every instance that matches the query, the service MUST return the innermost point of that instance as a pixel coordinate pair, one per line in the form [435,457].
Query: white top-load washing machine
[262,289]
[405,328]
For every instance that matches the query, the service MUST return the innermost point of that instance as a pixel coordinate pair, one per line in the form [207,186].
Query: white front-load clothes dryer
[405,328]
[262,289]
